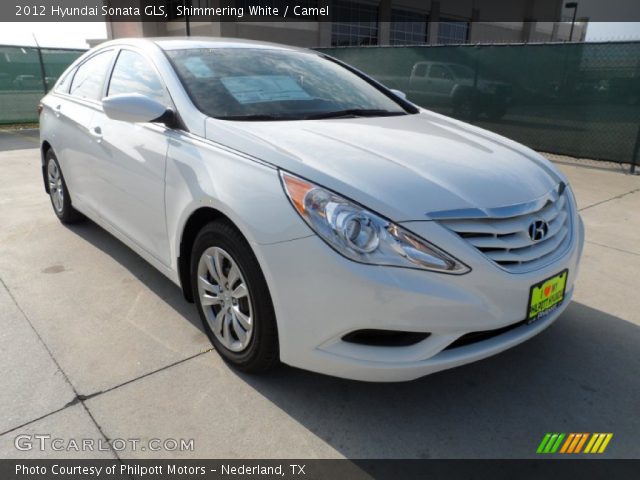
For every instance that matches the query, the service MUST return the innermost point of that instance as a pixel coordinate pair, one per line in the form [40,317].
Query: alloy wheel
[225,299]
[56,189]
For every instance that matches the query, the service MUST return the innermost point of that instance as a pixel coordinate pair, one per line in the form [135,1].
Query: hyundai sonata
[314,216]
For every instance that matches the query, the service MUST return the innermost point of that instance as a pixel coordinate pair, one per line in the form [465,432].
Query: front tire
[58,192]
[233,299]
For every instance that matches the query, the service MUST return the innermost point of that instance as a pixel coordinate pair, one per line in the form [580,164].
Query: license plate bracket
[546,296]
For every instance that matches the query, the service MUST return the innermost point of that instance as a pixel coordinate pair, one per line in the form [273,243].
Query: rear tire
[233,299]
[58,191]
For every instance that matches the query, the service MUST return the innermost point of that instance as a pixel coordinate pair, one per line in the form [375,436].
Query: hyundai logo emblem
[538,230]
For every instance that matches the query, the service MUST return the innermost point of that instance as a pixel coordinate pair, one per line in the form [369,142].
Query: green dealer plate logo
[545,296]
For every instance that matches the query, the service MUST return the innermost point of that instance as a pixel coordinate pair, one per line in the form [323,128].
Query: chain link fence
[26,74]
[577,99]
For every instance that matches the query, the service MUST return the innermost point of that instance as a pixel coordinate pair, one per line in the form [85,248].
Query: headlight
[362,235]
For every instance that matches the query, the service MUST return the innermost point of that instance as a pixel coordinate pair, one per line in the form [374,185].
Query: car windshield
[265,84]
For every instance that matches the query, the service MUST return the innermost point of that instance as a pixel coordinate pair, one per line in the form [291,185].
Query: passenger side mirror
[399,93]
[136,108]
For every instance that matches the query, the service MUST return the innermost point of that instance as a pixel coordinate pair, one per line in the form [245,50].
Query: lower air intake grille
[475,337]
[384,338]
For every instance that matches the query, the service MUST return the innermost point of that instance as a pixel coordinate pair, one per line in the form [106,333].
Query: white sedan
[314,216]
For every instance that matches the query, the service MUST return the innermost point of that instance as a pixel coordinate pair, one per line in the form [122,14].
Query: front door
[132,160]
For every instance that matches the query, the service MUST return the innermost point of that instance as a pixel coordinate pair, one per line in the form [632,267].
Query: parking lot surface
[96,344]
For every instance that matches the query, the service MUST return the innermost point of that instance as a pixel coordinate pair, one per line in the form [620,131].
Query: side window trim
[180,124]
[107,75]
[64,78]
[111,70]
[149,62]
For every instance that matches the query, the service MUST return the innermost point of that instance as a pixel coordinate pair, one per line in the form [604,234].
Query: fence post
[634,156]
[43,73]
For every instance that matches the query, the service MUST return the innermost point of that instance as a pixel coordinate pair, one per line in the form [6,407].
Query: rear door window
[89,79]
[63,85]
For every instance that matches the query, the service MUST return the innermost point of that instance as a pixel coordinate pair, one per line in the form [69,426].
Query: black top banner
[317,10]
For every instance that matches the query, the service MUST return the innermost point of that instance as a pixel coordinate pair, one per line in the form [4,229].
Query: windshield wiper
[348,113]
[354,112]
[256,117]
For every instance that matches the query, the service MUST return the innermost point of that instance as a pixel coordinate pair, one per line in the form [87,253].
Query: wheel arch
[44,149]
[196,221]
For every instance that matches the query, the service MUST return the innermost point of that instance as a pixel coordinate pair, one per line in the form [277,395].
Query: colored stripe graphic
[543,443]
[572,443]
[590,444]
[550,443]
[581,442]
[567,443]
[556,445]
[605,443]
[598,443]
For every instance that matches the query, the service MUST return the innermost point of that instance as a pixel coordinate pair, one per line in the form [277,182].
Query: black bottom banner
[583,469]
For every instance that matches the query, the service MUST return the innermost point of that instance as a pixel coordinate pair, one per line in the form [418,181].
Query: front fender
[201,174]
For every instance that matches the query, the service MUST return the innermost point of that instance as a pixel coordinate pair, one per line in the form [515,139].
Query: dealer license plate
[545,296]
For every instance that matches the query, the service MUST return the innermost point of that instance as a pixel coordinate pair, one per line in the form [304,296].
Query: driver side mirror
[136,108]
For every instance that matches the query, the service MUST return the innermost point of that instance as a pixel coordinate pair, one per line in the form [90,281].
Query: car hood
[403,167]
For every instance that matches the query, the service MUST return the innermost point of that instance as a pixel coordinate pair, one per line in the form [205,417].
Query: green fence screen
[578,99]
[21,82]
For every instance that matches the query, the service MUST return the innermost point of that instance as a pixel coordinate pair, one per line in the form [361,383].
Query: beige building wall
[526,32]
[318,34]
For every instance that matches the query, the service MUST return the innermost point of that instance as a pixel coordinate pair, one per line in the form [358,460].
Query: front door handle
[97,133]
[57,110]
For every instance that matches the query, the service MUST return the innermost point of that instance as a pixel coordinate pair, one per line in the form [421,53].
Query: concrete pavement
[96,344]
[19,139]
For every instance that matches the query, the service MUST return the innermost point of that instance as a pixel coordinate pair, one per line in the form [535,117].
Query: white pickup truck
[458,86]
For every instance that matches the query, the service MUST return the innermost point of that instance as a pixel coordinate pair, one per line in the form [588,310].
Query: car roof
[180,43]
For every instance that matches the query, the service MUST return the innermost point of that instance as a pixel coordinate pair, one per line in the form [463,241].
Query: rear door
[76,101]
[131,163]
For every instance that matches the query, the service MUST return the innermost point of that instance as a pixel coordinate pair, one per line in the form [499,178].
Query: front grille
[506,240]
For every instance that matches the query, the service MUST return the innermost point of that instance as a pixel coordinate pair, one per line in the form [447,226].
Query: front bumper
[319,296]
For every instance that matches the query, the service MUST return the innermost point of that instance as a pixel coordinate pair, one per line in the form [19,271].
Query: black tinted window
[89,78]
[134,74]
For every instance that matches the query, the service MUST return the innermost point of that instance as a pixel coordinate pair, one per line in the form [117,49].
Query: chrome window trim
[74,70]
